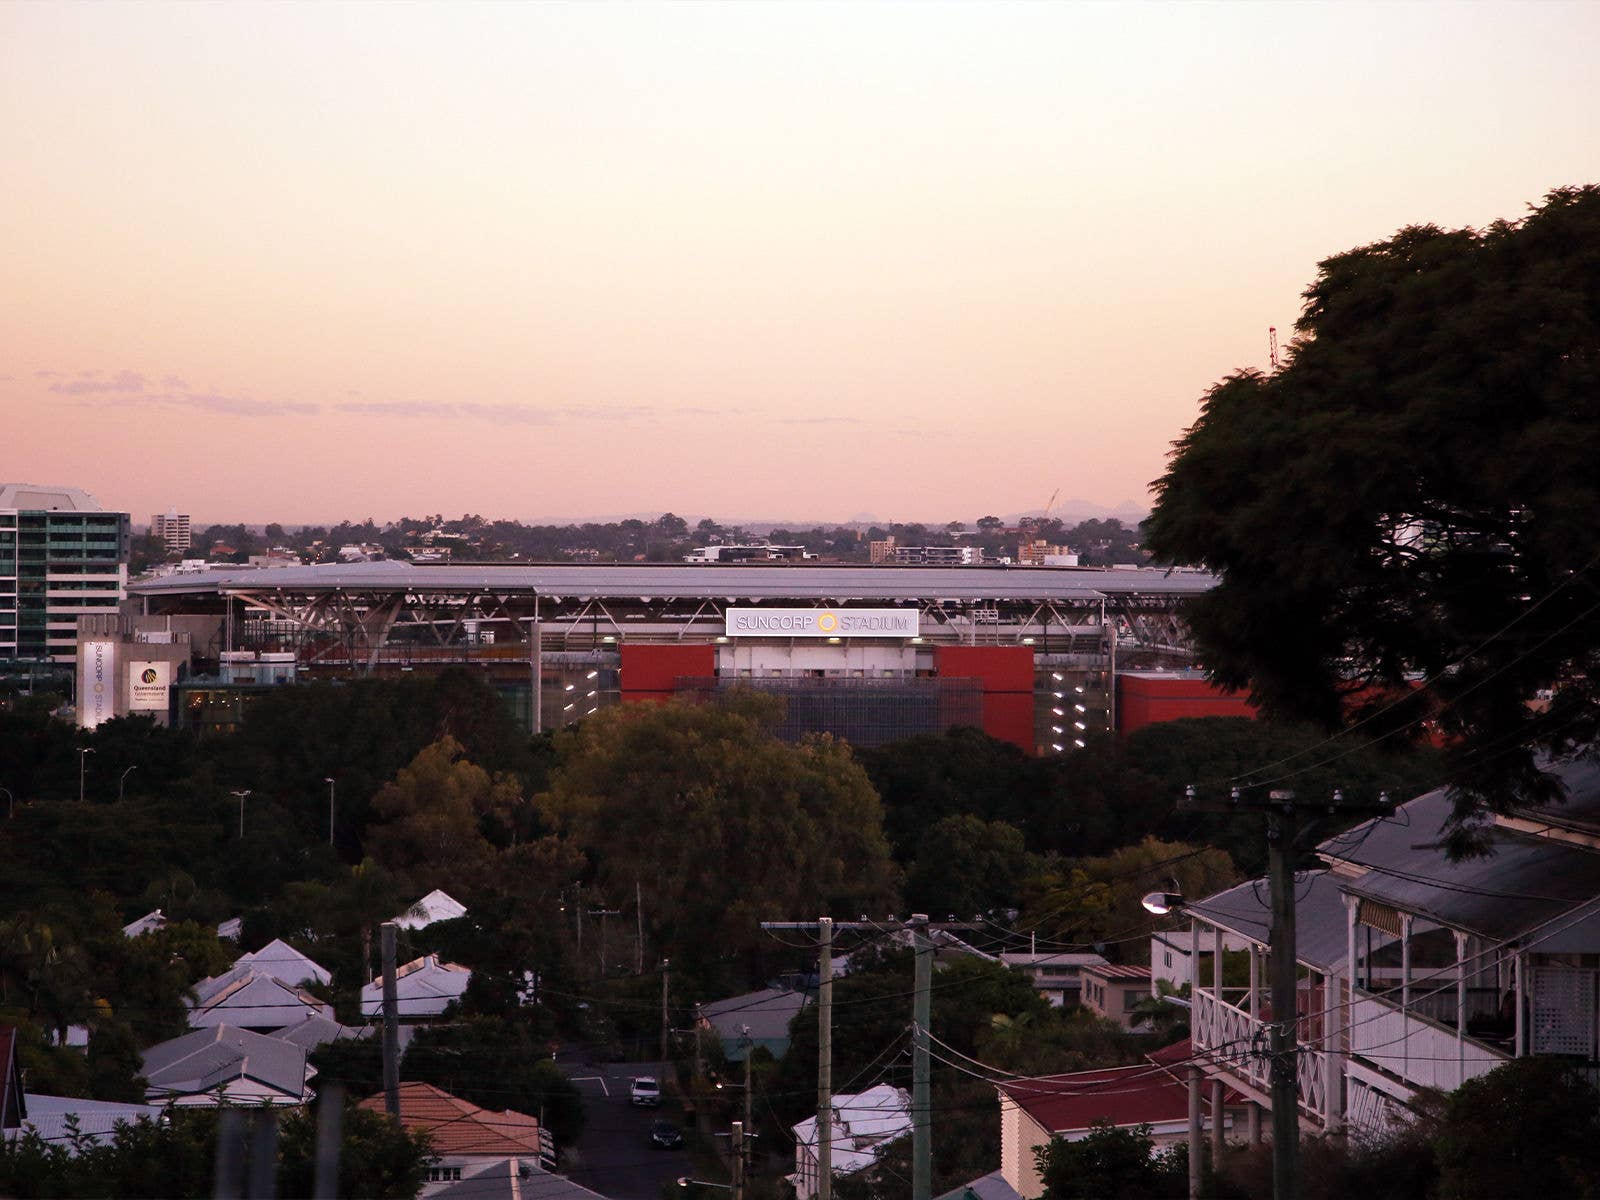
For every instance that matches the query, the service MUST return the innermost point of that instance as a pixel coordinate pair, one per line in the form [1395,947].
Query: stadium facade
[873,654]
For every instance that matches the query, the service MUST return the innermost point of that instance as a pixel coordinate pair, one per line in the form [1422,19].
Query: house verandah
[1416,972]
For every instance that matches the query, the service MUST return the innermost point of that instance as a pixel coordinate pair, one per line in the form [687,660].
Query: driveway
[614,1156]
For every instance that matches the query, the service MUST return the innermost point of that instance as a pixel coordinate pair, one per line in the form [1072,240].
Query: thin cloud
[819,420]
[175,383]
[512,414]
[122,381]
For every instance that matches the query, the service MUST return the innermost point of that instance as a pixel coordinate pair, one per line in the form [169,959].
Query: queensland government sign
[823,622]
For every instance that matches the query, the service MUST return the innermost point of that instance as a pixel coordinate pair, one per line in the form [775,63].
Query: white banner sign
[823,622]
[97,683]
[147,686]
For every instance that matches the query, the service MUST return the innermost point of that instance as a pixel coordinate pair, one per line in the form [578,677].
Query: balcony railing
[1420,1051]
[1238,1043]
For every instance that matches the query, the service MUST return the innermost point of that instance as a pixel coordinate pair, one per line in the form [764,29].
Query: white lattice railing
[1415,1049]
[1238,1044]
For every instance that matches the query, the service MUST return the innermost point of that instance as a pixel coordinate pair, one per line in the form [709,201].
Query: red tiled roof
[458,1126]
[1168,1056]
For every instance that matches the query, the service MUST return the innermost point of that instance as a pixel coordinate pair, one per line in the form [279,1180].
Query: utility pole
[1281,828]
[1288,822]
[666,1023]
[329,782]
[638,912]
[825,1060]
[391,1026]
[921,1100]
[749,1106]
[736,1144]
[603,913]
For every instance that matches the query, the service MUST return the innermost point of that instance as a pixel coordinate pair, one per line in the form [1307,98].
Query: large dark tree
[1415,494]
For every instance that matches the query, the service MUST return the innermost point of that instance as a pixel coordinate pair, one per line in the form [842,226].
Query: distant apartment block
[941,556]
[172,527]
[61,556]
[755,552]
[1040,553]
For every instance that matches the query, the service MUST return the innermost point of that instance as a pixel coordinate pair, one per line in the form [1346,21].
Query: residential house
[507,1179]
[282,961]
[1169,957]
[863,1124]
[245,998]
[54,1119]
[425,987]
[435,906]
[754,1019]
[1115,991]
[1033,1111]
[317,1031]
[1057,976]
[210,1067]
[1417,972]
[148,923]
[467,1140]
[992,1186]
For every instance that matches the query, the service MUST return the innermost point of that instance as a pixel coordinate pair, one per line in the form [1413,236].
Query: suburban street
[614,1156]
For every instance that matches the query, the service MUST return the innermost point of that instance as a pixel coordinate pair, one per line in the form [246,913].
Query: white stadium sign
[823,622]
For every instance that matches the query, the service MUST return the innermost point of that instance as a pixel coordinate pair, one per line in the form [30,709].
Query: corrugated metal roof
[767,1013]
[673,580]
[1321,924]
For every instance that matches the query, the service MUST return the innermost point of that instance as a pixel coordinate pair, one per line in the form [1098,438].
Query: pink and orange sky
[302,262]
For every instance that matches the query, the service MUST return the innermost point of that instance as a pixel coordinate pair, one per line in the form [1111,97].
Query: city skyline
[288,263]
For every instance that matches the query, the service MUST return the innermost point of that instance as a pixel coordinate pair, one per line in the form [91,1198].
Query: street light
[1162,904]
[122,779]
[82,750]
[329,781]
[11,804]
[241,796]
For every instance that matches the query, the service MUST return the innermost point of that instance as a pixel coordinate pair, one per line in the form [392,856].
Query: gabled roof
[458,1126]
[318,1031]
[766,1014]
[148,923]
[282,961]
[425,988]
[992,1186]
[435,906]
[861,1122]
[252,999]
[210,1062]
[1048,958]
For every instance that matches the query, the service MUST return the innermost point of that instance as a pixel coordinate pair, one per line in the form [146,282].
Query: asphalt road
[614,1156]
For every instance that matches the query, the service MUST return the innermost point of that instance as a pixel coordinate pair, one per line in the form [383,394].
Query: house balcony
[1235,1044]
[1418,1050]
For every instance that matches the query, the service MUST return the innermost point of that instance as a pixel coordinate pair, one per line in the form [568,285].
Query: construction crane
[1272,348]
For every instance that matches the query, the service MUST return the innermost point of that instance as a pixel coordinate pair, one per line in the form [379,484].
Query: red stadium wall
[1145,699]
[651,672]
[1006,675]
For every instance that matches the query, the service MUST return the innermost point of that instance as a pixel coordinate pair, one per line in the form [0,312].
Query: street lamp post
[124,779]
[329,781]
[241,796]
[82,751]
[11,804]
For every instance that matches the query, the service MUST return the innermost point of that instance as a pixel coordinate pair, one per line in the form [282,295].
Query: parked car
[645,1092]
[664,1135]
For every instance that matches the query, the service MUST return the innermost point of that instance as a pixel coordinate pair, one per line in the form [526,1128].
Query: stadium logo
[148,675]
[827,622]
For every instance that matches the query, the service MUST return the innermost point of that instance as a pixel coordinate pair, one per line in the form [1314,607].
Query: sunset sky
[305,262]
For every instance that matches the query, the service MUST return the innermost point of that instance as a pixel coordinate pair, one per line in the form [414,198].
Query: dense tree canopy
[1415,493]
[718,822]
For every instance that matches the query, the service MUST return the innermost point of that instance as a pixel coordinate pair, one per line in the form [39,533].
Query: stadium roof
[807,581]
[33,497]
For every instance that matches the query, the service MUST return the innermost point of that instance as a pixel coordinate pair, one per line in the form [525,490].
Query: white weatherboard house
[863,1124]
[1418,972]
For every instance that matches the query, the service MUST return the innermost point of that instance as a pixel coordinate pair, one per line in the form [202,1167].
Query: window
[444,1174]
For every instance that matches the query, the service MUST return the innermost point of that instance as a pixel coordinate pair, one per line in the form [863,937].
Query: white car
[645,1091]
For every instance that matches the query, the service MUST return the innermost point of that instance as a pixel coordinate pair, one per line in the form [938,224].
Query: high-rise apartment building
[61,555]
[172,528]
